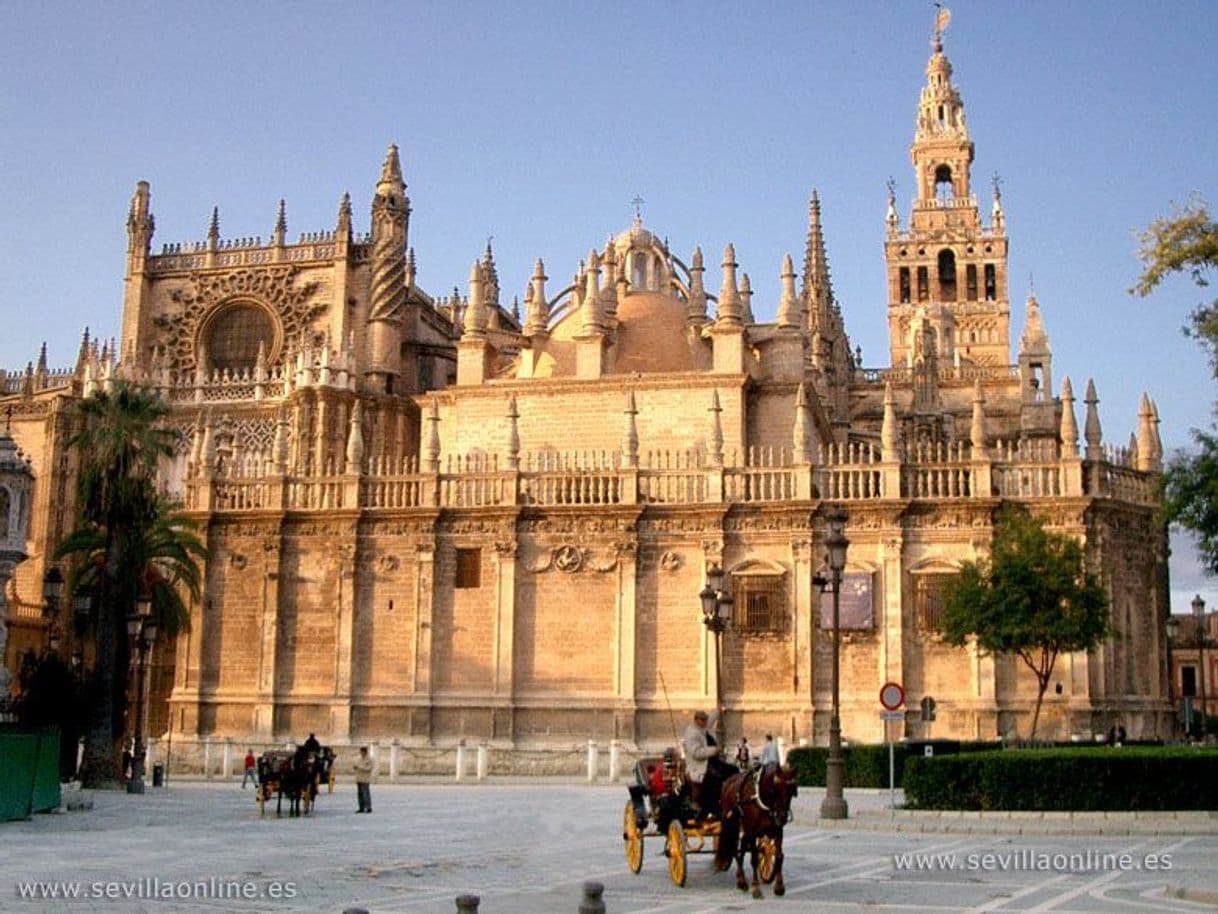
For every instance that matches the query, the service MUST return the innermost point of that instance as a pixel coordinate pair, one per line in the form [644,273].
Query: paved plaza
[526,847]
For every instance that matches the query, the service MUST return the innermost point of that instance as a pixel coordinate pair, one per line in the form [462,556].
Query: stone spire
[140,224]
[889,434]
[213,230]
[279,450]
[433,437]
[816,270]
[537,310]
[630,438]
[697,292]
[1034,340]
[1146,435]
[891,217]
[788,303]
[280,233]
[715,440]
[1069,427]
[513,440]
[342,228]
[1091,425]
[731,309]
[997,218]
[591,322]
[802,452]
[977,429]
[1156,443]
[412,268]
[355,439]
[475,311]
[387,286]
[746,298]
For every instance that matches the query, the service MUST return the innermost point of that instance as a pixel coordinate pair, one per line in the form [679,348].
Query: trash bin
[158,775]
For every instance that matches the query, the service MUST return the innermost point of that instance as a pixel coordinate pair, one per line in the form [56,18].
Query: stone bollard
[782,750]
[395,748]
[461,762]
[468,904]
[592,761]
[483,761]
[615,750]
[207,757]
[592,903]
[80,752]
[228,758]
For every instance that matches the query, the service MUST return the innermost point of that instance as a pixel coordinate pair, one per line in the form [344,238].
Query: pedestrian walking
[769,752]
[742,753]
[363,780]
[250,772]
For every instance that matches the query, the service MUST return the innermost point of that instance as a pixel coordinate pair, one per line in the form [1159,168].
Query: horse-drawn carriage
[294,774]
[661,806]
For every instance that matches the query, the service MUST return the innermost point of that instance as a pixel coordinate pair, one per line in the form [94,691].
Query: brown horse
[756,805]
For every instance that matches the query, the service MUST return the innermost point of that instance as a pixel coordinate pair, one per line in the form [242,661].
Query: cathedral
[440,518]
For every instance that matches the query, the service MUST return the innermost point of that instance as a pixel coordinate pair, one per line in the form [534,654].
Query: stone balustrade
[852,474]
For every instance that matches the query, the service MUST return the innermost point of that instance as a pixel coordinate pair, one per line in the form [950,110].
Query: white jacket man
[697,746]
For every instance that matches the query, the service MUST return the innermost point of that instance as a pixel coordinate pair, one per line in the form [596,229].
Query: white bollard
[782,750]
[483,761]
[615,749]
[228,757]
[80,752]
[592,761]
[460,759]
[207,757]
[394,748]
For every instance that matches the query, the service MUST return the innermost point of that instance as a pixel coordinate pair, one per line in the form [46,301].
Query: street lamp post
[52,588]
[1198,606]
[1173,631]
[716,613]
[834,805]
[141,628]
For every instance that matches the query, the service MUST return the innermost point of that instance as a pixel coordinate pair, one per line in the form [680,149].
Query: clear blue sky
[538,122]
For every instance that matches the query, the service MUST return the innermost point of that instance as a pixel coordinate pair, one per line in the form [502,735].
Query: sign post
[892,696]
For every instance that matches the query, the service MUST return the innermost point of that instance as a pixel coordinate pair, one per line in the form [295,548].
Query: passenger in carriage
[311,744]
[705,776]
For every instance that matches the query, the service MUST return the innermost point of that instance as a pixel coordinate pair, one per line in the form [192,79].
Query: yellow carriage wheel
[675,849]
[633,838]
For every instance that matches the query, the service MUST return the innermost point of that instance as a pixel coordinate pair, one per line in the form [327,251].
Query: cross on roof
[637,203]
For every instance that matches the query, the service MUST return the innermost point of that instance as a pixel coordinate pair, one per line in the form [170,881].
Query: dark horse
[297,781]
[756,805]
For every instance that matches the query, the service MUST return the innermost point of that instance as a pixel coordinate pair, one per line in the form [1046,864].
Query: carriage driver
[699,748]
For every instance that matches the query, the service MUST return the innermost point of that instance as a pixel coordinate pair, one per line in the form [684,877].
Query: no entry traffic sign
[892,696]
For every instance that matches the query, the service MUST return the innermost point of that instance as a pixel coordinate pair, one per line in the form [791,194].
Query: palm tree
[129,540]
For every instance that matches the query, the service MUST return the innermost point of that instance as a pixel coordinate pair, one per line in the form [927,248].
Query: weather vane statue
[942,18]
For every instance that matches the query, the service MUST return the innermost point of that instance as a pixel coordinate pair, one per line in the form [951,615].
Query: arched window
[943,183]
[234,335]
[923,284]
[947,275]
[903,280]
[5,507]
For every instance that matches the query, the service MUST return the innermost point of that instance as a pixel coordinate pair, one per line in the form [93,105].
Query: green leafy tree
[1187,242]
[127,540]
[1033,598]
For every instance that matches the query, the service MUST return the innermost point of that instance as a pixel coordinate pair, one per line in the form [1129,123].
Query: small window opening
[970,282]
[943,183]
[947,275]
[904,282]
[991,283]
[469,568]
[923,284]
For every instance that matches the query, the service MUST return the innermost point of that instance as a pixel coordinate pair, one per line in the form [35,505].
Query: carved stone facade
[432,519]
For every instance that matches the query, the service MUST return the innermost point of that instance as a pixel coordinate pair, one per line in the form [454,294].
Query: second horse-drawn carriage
[296,775]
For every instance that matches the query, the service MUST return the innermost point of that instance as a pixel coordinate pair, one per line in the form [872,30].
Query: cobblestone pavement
[526,847]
